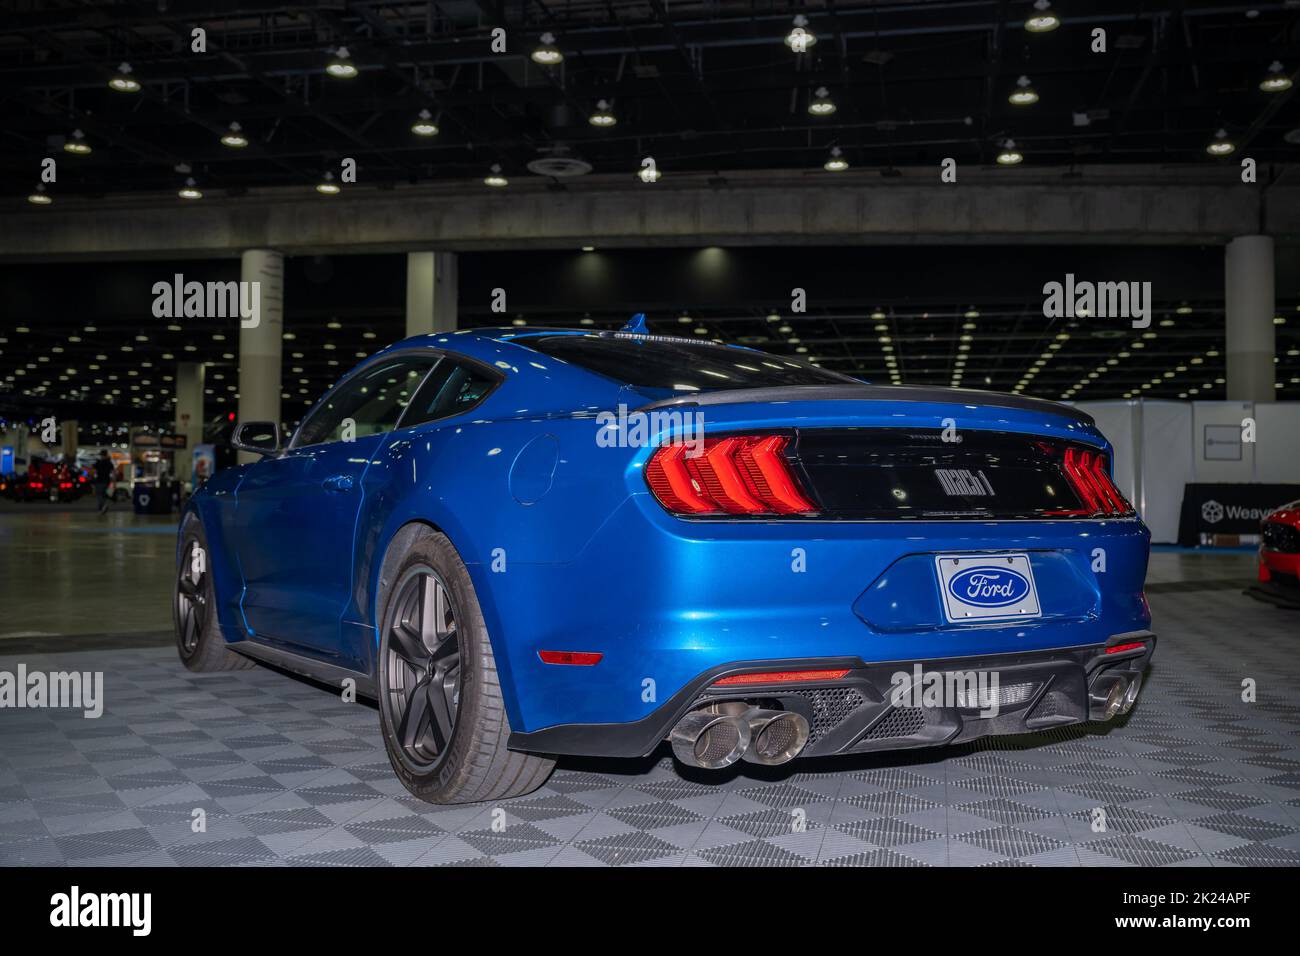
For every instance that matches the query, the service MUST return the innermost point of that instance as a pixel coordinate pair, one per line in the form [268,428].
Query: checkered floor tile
[284,773]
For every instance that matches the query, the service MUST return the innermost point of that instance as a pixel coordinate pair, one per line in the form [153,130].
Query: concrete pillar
[70,441]
[1249,294]
[190,377]
[260,340]
[431,294]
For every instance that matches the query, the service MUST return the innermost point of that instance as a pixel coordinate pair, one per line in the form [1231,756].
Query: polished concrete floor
[288,774]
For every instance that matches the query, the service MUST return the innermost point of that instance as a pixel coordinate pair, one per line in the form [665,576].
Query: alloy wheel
[191,600]
[422,666]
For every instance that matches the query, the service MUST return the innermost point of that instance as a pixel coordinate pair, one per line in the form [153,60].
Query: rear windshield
[679,366]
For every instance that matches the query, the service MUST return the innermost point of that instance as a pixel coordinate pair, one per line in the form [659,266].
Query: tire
[194,611]
[441,713]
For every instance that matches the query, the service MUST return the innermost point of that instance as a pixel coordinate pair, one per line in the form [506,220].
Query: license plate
[987,587]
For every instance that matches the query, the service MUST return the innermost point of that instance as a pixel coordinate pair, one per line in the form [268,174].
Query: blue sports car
[529,543]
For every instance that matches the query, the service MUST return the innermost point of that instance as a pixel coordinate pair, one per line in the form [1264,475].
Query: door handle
[337,483]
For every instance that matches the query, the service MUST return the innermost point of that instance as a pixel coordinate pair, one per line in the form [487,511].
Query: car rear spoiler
[876,393]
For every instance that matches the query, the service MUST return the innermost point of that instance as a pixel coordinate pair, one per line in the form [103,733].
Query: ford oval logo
[988,587]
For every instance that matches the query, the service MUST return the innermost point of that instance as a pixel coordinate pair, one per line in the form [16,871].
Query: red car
[1279,556]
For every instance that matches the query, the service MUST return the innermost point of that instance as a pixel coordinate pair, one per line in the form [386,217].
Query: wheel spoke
[429,622]
[415,721]
[445,621]
[441,711]
[407,645]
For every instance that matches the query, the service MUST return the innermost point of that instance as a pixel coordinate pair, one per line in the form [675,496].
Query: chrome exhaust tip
[776,736]
[710,740]
[1131,695]
[1106,697]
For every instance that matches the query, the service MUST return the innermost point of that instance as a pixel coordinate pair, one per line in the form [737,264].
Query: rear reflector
[577,658]
[779,677]
[735,475]
[1120,648]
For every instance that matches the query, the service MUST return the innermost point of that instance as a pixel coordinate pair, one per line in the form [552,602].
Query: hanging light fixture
[821,104]
[122,81]
[342,67]
[494,177]
[190,190]
[547,53]
[327,186]
[1276,81]
[76,144]
[800,39]
[603,115]
[1009,155]
[234,137]
[837,163]
[1023,94]
[39,197]
[1221,145]
[1043,19]
[424,124]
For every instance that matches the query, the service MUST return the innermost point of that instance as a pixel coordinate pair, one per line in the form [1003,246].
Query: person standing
[103,478]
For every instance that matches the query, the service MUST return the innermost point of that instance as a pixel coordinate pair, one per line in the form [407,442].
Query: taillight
[734,475]
[1090,480]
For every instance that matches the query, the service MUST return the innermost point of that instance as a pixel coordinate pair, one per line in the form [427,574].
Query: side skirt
[330,674]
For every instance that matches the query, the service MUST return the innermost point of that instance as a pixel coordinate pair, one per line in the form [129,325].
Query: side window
[372,399]
[450,389]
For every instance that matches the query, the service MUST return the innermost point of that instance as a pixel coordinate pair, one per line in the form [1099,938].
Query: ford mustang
[526,543]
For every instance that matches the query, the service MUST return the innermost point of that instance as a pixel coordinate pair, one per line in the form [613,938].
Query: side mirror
[260,438]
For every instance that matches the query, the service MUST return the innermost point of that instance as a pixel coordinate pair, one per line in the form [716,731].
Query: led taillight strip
[1089,478]
[735,475]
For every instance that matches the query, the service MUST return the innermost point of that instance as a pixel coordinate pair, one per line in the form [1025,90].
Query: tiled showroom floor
[289,774]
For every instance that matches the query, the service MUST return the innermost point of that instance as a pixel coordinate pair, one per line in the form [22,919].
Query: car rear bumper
[861,711]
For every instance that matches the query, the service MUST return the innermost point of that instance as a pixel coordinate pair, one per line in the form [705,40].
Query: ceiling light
[341,67]
[38,197]
[327,186]
[1276,81]
[799,39]
[1023,94]
[123,82]
[1043,20]
[76,144]
[424,124]
[547,54]
[1220,145]
[1009,156]
[494,177]
[603,115]
[234,137]
[190,190]
[837,163]
[821,104]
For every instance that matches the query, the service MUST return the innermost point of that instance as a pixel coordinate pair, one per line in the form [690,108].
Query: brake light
[1089,479]
[1121,648]
[737,474]
[575,658]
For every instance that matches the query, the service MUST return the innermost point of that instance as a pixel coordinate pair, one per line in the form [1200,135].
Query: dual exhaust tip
[1113,694]
[720,734]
